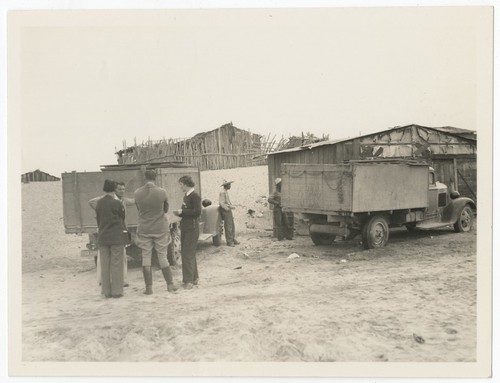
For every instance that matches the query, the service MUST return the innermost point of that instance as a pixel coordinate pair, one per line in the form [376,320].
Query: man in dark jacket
[280,219]
[112,238]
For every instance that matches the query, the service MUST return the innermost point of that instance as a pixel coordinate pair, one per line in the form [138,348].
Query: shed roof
[462,133]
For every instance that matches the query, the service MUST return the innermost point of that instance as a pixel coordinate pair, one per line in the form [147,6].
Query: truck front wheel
[375,232]
[464,221]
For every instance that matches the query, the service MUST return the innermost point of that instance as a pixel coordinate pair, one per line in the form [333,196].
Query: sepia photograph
[250,191]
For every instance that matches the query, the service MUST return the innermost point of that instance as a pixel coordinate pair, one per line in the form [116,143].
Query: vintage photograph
[250,192]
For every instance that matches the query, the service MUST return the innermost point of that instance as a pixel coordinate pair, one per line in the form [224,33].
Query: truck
[80,187]
[368,197]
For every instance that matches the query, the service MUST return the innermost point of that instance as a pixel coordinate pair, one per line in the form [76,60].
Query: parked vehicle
[80,187]
[367,198]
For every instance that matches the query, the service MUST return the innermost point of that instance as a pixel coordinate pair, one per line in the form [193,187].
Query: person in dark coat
[280,218]
[112,238]
[190,231]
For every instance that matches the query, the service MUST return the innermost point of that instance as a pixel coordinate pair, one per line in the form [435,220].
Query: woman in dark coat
[190,231]
[112,237]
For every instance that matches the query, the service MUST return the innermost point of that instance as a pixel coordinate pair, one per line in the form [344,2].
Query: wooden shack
[450,151]
[38,176]
[221,148]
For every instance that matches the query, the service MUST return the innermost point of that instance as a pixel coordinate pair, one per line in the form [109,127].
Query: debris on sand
[250,225]
[418,338]
[293,256]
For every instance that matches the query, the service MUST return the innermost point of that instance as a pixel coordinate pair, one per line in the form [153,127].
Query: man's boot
[167,274]
[147,272]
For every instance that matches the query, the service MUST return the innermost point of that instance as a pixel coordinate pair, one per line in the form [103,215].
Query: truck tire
[216,240]
[411,227]
[375,232]
[174,247]
[322,239]
[465,220]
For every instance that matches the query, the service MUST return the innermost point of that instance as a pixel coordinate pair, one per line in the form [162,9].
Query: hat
[277,181]
[225,182]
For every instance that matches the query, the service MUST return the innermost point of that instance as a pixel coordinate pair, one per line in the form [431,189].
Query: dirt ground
[412,301]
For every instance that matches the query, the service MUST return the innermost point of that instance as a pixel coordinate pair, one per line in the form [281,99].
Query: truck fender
[453,209]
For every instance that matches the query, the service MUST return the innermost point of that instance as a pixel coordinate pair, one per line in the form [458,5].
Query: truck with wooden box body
[80,187]
[369,197]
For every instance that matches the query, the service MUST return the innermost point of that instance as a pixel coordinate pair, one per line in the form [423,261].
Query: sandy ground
[337,303]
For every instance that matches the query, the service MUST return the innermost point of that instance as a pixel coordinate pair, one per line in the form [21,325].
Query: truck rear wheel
[216,240]
[464,221]
[375,232]
[322,239]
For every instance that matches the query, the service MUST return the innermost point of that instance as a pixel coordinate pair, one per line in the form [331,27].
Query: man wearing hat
[226,209]
[282,228]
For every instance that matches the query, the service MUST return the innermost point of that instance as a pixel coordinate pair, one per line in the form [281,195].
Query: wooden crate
[80,187]
[353,187]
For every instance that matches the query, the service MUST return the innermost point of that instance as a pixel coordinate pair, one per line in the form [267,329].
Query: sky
[90,80]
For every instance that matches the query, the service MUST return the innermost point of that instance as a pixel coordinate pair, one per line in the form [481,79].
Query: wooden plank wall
[38,176]
[223,148]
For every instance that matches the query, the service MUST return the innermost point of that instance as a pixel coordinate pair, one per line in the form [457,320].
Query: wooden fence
[222,148]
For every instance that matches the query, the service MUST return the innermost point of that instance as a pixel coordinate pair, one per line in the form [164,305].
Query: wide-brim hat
[277,181]
[226,182]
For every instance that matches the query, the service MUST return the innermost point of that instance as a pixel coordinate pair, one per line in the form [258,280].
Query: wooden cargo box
[80,187]
[354,187]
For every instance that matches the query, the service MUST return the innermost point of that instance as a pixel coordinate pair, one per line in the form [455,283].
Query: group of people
[153,232]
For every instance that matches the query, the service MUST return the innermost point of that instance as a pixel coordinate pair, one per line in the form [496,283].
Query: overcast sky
[88,81]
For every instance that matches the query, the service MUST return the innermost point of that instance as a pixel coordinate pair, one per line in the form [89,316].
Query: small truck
[368,197]
[80,187]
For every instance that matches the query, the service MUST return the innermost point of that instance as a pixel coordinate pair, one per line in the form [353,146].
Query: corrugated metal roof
[446,129]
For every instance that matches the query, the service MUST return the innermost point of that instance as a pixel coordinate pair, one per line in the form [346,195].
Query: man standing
[280,219]
[226,209]
[110,217]
[153,230]
[120,196]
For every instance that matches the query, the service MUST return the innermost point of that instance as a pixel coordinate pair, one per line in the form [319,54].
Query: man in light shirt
[226,209]
[153,231]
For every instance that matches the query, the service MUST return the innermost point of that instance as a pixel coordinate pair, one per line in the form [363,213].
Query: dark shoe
[117,296]
[149,290]
[107,296]
[125,284]
[236,242]
[195,282]
[230,244]
[187,286]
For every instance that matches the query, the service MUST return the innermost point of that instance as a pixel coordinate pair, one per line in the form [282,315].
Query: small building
[222,148]
[38,176]
[452,152]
